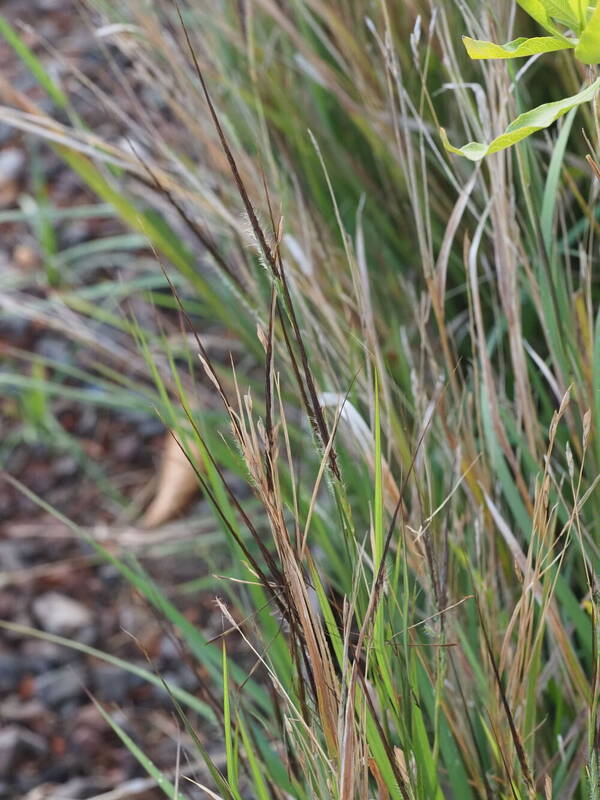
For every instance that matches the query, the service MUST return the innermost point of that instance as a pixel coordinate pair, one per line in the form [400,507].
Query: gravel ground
[53,741]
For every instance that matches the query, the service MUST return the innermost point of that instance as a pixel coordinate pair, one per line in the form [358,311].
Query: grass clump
[417,408]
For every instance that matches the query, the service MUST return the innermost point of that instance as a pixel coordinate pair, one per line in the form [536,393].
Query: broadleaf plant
[572,25]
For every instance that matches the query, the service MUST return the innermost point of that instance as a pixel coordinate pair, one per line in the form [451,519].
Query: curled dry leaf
[177,482]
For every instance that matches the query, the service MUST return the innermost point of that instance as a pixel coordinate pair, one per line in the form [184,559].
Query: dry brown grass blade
[300,609]
[515,736]
[553,620]
[486,365]
[383,793]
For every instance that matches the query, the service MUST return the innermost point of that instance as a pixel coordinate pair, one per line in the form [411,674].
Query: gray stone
[59,686]
[59,614]
[13,709]
[16,743]
[113,684]
[12,161]
[10,672]
[39,655]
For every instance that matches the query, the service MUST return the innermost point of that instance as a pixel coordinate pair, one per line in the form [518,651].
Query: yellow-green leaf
[537,10]
[562,11]
[518,48]
[588,49]
[524,125]
[580,7]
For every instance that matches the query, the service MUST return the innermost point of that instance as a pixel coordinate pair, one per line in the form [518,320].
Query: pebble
[26,257]
[13,709]
[75,232]
[16,743]
[55,348]
[59,614]
[40,656]
[11,556]
[10,671]
[113,684]
[72,790]
[12,161]
[60,685]
[6,132]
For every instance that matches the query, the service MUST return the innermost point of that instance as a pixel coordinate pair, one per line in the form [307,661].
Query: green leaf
[33,63]
[537,10]
[518,48]
[524,125]
[161,780]
[260,787]
[581,9]
[562,11]
[551,187]
[588,49]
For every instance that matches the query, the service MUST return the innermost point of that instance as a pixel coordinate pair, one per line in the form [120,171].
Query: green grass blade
[163,783]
